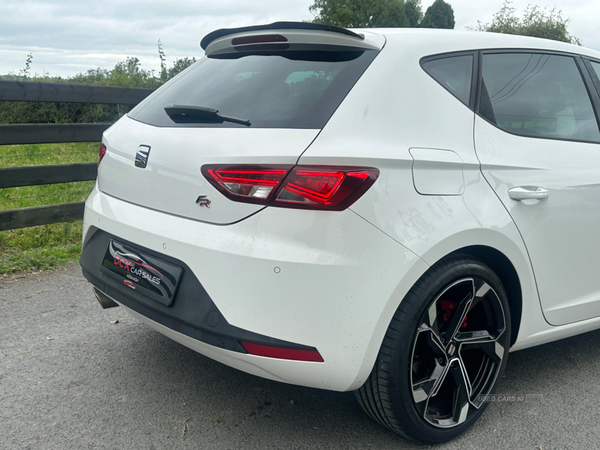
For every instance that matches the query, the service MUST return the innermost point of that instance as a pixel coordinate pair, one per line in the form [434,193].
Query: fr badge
[203,201]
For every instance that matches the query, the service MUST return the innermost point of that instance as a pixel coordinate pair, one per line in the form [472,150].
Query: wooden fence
[53,133]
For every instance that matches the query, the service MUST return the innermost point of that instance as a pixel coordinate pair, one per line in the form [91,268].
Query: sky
[67,37]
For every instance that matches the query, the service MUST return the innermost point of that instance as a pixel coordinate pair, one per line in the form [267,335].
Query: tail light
[263,39]
[101,152]
[308,187]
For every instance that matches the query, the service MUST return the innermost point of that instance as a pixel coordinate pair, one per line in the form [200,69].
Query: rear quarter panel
[396,107]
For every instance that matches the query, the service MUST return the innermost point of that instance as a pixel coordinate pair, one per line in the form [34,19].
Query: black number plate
[143,273]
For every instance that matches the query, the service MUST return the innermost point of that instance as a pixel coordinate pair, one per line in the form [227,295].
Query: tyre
[444,351]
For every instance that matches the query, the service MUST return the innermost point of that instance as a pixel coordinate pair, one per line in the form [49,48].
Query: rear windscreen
[284,90]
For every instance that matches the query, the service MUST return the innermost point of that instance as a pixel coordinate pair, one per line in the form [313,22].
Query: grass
[46,246]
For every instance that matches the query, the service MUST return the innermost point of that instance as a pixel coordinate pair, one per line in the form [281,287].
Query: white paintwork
[323,295]
[560,229]
[172,181]
[431,226]
[437,172]
[344,274]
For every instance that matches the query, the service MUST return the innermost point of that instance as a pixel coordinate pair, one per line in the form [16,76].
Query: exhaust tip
[104,300]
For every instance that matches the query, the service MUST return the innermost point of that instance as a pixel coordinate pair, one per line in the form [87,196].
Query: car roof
[421,40]
[453,40]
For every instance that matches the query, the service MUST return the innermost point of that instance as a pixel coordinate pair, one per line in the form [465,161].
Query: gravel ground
[75,376]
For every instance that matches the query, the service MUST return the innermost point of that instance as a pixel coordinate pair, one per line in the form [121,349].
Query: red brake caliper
[447,307]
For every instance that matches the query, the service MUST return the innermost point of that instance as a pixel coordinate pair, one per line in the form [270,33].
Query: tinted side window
[537,95]
[596,67]
[453,73]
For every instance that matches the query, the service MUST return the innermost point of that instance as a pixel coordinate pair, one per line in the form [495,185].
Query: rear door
[539,145]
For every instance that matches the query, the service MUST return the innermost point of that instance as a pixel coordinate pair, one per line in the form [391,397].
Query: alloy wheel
[457,353]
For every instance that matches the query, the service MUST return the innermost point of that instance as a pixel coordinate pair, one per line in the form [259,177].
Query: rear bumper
[328,281]
[193,313]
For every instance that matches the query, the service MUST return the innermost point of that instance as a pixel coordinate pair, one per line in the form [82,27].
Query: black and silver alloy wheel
[457,352]
[443,354]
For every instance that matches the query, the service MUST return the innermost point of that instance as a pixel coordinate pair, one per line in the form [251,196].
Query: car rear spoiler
[280,36]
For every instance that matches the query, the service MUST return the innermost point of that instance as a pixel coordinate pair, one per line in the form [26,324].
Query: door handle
[528,193]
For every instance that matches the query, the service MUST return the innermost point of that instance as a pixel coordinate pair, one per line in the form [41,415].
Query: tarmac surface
[74,376]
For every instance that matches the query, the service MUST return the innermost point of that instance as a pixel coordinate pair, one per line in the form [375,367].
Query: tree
[125,73]
[536,22]
[439,15]
[179,65]
[25,71]
[414,13]
[362,13]
[163,62]
[392,16]
[129,73]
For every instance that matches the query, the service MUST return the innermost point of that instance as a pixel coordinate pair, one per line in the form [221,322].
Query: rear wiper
[188,113]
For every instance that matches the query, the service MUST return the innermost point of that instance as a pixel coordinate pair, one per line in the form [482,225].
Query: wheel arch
[502,253]
[502,266]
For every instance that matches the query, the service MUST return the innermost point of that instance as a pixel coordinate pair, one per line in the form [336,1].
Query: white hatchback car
[388,211]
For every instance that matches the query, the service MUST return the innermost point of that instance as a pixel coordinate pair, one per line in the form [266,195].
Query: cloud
[70,36]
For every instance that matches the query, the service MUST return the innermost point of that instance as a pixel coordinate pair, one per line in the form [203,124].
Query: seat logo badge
[203,201]
[141,157]
[451,349]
